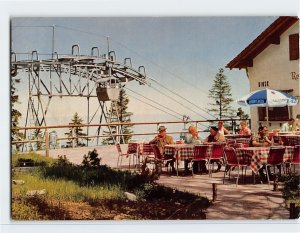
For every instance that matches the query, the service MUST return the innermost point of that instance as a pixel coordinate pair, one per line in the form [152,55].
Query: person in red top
[244,129]
[215,136]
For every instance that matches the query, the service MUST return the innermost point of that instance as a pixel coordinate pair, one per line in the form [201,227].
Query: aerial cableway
[90,76]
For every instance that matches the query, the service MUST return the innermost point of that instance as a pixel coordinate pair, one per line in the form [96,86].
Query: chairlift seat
[108,93]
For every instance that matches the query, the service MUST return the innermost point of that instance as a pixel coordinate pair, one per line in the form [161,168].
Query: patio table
[180,151]
[256,157]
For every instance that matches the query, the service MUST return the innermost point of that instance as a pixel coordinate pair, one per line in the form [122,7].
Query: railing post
[47,142]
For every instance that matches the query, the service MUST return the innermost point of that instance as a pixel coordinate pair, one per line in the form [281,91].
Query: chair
[296,157]
[147,151]
[238,145]
[160,158]
[285,141]
[121,155]
[200,154]
[231,160]
[217,153]
[230,142]
[275,158]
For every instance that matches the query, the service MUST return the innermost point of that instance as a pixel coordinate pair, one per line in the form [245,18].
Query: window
[275,114]
[294,46]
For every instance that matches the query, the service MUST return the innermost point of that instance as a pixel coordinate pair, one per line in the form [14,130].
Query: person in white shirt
[222,129]
[288,126]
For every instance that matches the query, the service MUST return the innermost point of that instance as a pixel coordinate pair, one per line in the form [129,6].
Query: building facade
[272,61]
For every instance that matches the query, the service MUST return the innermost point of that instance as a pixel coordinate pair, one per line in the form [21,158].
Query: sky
[182,53]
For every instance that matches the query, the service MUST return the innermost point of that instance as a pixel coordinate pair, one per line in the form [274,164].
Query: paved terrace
[247,201]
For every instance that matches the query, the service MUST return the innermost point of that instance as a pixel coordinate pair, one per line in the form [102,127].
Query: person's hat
[214,128]
[162,128]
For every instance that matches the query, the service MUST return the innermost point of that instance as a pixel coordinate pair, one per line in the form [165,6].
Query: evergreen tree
[38,135]
[241,114]
[221,94]
[118,114]
[15,114]
[77,132]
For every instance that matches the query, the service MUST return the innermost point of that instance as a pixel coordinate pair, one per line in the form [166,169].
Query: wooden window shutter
[294,46]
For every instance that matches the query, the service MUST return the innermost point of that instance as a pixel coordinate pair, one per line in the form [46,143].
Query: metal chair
[217,153]
[231,160]
[275,158]
[238,145]
[121,155]
[147,152]
[200,154]
[296,157]
[230,142]
[160,159]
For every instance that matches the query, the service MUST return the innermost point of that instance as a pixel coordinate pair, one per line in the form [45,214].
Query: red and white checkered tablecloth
[180,151]
[256,157]
[243,140]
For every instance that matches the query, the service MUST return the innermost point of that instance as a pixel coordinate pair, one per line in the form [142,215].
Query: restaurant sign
[263,84]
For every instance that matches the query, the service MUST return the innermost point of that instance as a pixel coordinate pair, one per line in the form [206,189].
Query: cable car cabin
[108,93]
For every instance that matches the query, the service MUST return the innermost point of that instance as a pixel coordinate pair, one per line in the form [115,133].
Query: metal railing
[72,137]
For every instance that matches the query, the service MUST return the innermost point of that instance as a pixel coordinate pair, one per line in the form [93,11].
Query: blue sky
[237,34]
[183,53]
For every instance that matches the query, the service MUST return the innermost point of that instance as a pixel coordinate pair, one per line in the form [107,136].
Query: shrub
[91,160]
[31,159]
[291,190]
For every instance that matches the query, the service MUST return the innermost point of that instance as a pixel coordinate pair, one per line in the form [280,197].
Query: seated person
[192,137]
[244,129]
[288,126]
[162,139]
[222,129]
[215,136]
[262,138]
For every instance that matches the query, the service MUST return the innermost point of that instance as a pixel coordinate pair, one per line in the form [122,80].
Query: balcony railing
[232,123]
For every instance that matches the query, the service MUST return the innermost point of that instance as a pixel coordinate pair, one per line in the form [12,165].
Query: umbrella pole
[267,109]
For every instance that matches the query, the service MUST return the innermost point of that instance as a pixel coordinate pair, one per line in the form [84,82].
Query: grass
[65,190]
[100,187]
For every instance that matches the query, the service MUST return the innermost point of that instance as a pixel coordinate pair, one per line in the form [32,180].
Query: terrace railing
[46,138]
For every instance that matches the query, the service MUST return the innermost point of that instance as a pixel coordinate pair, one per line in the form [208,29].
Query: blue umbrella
[267,98]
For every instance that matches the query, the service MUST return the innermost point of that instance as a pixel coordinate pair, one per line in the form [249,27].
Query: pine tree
[38,135]
[15,114]
[221,94]
[78,132]
[118,114]
[241,114]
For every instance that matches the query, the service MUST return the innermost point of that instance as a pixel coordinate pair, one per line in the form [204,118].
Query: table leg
[177,166]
